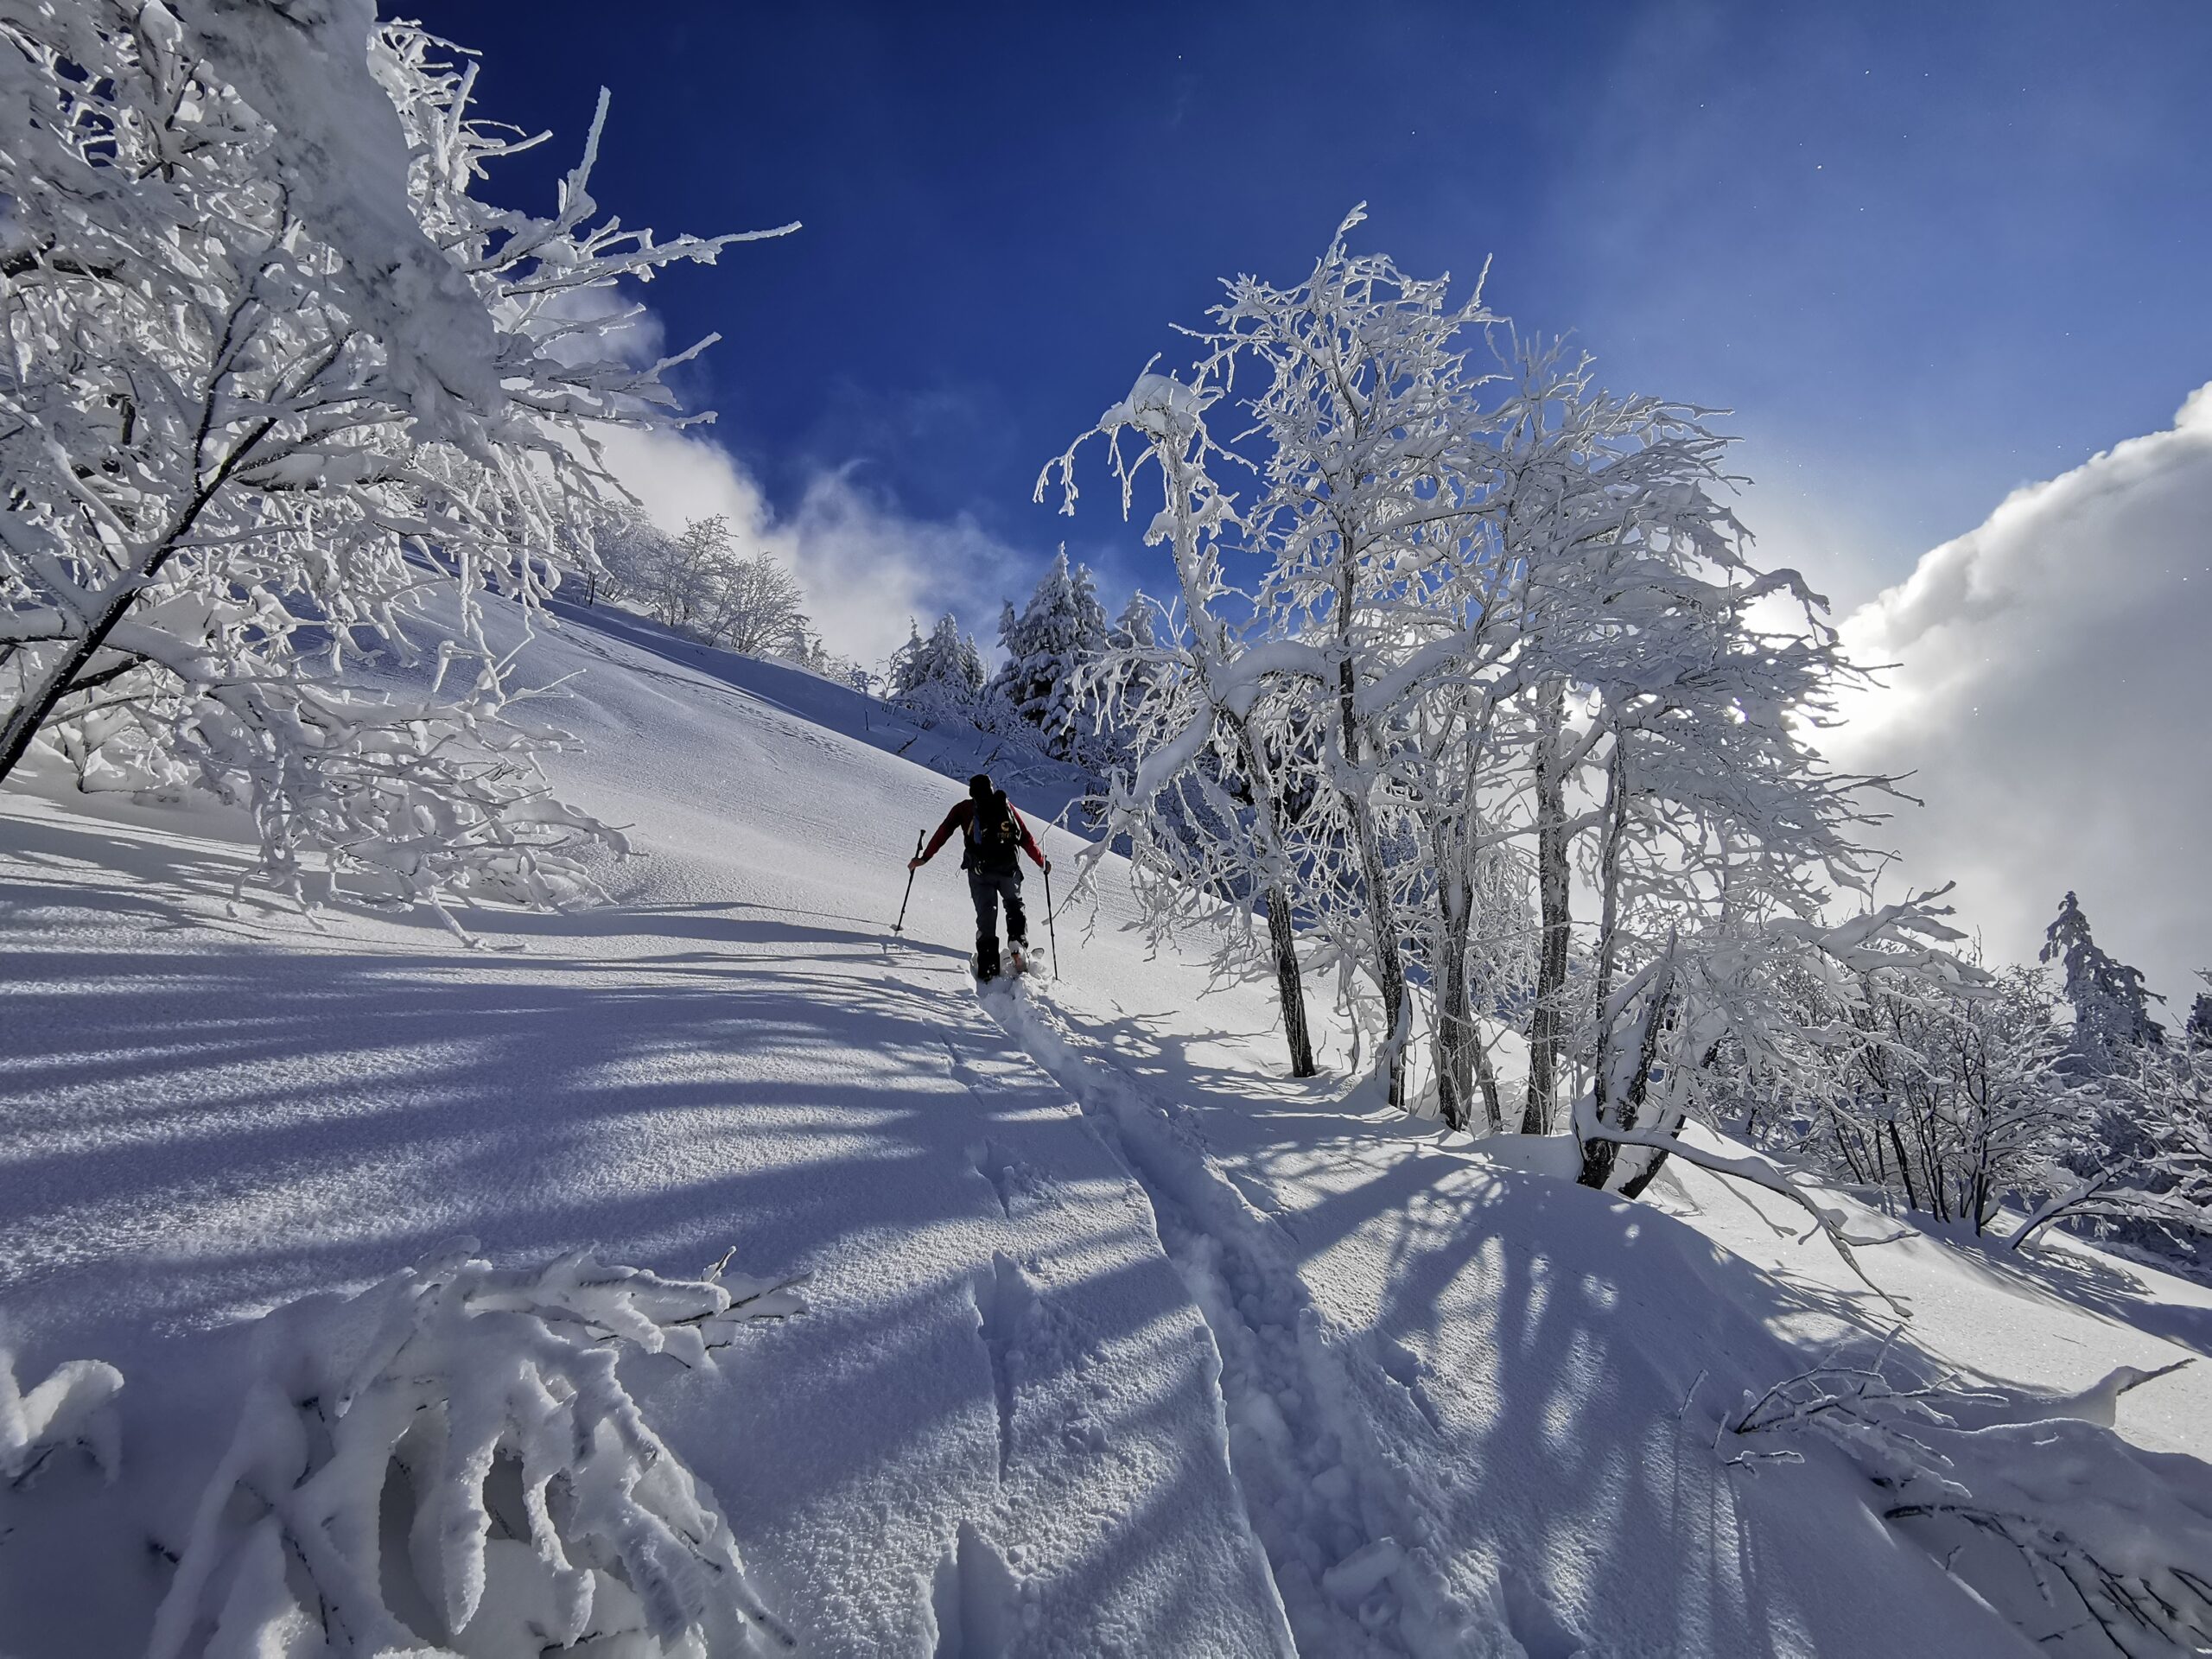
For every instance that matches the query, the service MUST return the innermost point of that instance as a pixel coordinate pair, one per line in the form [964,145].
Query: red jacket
[964,814]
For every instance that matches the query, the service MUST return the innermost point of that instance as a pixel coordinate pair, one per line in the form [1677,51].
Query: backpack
[992,836]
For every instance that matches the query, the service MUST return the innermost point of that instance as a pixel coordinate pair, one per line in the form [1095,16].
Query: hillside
[1117,1339]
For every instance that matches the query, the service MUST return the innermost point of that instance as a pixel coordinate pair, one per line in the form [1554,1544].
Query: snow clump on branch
[449,1463]
[73,1406]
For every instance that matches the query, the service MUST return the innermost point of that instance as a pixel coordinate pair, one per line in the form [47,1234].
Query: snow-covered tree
[1375,467]
[1716,815]
[282,389]
[761,610]
[673,577]
[1050,646]
[2148,1168]
[1953,1100]
[2112,1009]
[1204,808]
[632,554]
[1133,638]
[2199,1029]
[1952,1089]
[812,652]
[1496,633]
[941,672]
[702,582]
[1726,996]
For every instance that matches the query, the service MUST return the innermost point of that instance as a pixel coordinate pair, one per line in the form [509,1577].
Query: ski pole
[1052,932]
[899,926]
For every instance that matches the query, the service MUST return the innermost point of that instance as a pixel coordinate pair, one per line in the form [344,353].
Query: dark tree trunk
[1904,1165]
[1633,1187]
[1545,1022]
[51,686]
[1389,966]
[1598,1156]
[1487,1076]
[1455,1035]
[1282,935]
[1288,986]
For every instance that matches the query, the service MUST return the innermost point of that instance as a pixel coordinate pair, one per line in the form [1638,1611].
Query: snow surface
[1118,1340]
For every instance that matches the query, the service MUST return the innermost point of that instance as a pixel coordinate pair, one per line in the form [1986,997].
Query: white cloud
[2053,694]
[865,566]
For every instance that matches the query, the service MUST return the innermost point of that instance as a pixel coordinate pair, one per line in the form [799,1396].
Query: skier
[993,836]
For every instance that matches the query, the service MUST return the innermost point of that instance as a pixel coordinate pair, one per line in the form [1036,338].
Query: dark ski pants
[987,891]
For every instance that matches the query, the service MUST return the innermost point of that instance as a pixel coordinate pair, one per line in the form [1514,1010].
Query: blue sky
[1925,253]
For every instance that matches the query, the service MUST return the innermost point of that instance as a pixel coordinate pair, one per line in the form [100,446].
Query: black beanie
[980,784]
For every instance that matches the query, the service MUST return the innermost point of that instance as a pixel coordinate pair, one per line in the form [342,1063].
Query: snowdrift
[1117,1340]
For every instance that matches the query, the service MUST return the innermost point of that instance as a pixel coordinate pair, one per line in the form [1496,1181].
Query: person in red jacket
[992,839]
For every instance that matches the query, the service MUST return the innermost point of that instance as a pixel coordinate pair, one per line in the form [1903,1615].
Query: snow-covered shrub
[1956,1096]
[73,1406]
[1952,1099]
[703,583]
[284,390]
[2145,1172]
[450,1463]
[2089,1543]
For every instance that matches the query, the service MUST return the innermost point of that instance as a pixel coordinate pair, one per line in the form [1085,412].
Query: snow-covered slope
[1119,1341]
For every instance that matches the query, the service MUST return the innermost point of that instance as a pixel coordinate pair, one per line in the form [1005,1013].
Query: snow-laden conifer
[940,672]
[1051,645]
[2112,1008]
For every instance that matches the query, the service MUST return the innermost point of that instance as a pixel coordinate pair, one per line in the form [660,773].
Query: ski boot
[987,959]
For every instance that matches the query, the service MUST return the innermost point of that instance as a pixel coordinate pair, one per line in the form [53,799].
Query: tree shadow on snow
[193,1136]
[1551,1366]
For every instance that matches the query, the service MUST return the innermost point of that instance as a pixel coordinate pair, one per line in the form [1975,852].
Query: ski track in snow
[995,1431]
[1357,1564]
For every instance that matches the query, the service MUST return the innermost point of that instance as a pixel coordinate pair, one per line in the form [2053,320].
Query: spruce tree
[944,669]
[1061,631]
[2112,1011]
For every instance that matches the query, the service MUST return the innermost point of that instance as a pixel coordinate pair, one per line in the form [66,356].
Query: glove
[914,863]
